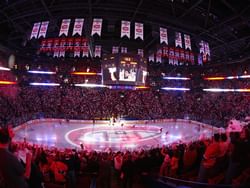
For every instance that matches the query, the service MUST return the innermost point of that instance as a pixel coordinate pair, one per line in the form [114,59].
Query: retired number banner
[97,27]
[78,25]
[115,50]
[35,30]
[139,30]
[98,50]
[163,35]
[43,29]
[178,39]
[125,29]
[187,42]
[64,27]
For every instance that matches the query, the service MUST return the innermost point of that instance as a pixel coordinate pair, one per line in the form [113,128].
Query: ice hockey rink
[101,135]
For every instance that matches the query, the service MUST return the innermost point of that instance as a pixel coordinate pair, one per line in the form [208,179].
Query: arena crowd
[222,159]
[80,103]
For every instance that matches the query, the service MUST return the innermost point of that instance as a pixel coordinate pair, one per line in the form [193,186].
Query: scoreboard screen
[124,69]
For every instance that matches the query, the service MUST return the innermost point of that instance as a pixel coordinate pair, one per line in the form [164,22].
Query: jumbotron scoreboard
[124,69]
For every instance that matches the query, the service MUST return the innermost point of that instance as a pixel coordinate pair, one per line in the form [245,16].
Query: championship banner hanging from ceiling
[165,51]
[139,30]
[35,30]
[124,50]
[97,26]
[62,48]
[64,27]
[140,52]
[115,50]
[56,47]
[192,57]
[200,62]
[187,42]
[159,55]
[187,56]
[151,58]
[85,48]
[178,39]
[77,47]
[49,45]
[98,50]
[202,49]
[163,35]
[182,54]
[125,29]
[43,29]
[78,25]
[206,48]
[70,44]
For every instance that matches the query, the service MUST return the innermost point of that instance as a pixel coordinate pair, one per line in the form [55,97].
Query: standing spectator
[105,171]
[164,170]
[209,159]
[174,164]
[60,170]
[12,172]
[127,171]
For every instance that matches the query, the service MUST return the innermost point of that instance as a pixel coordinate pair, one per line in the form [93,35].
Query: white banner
[125,29]
[62,53]
[62,48]
[35,30]
[85,49]
[43,29]
[158,55]
[56,48]
[77,47]
[64,27]
[178,39]
[124,50]
[115,50]
[163,35]
[77,53]
[151,58]
[140,52]
[202,49]
[98,50]
[206,48]
[97,26]
[171,61]
[78,25]
[138,30]
[187,42]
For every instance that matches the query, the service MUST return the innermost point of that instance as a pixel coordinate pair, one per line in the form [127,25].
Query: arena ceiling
[225,24]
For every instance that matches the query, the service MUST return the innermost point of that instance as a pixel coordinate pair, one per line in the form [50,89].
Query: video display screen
[124,70]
